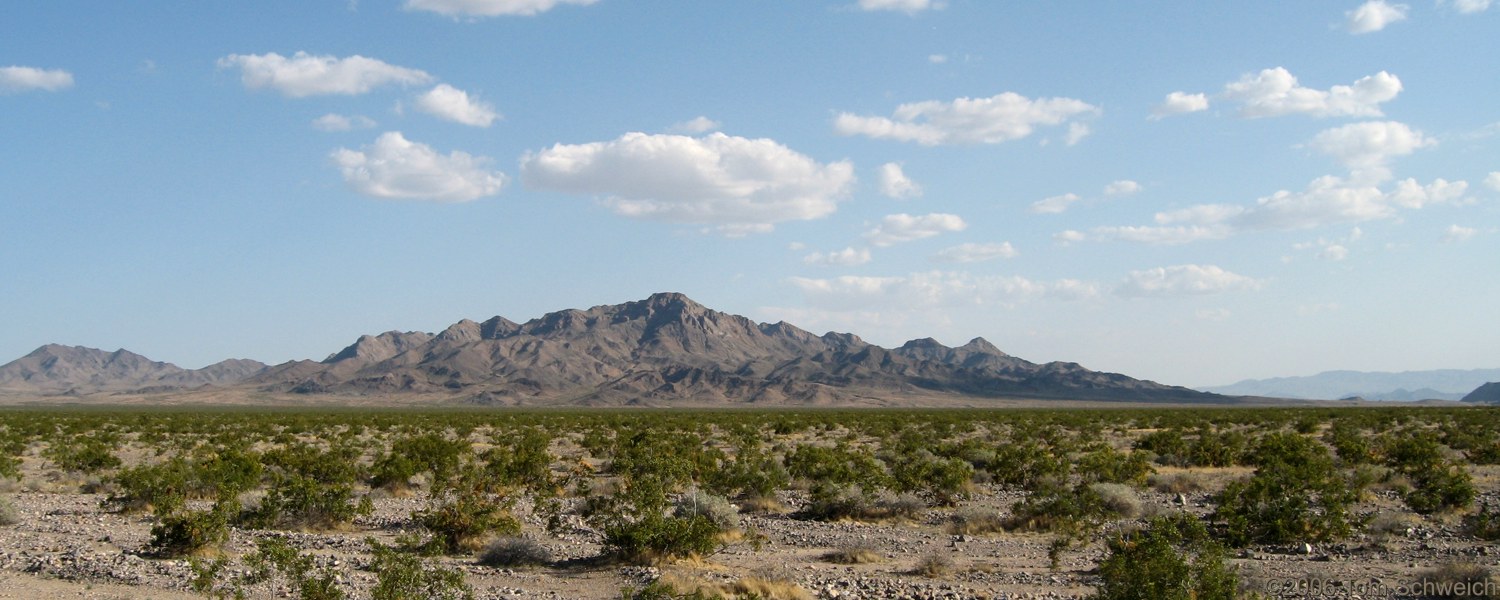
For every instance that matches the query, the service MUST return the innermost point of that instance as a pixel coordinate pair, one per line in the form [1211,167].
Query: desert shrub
[8,513]
[855,553]
[913,468]
[403,576]
[514,551]
[975,520]
[1025,464]
[1457,580]
[192,532]
[716,509]
[300,571]
[890,505]
[1176,483]
[10,466]
[521,459]
[1217,448]
[1170,446]
[462,519]
[1350,443]
[225,472]
[638,529]
[1295,495]
[1173,558]
[162,488]
[832,502]
[337,465]
[1108,465]
[933,565]
[297,502]
[1484,524]
[751,473]
[1070,511]
[841,464]
[1118,499]
[1437,483]
[85,454]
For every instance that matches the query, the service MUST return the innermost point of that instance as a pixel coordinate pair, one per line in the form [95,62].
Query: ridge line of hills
[662,350]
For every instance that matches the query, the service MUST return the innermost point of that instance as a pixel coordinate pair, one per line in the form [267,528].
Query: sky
[1193,193]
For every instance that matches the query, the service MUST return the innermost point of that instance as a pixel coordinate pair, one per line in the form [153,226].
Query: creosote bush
[1172,558]
[514,551]
[1295,495]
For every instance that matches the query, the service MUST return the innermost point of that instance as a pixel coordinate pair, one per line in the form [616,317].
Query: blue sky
[1189,192]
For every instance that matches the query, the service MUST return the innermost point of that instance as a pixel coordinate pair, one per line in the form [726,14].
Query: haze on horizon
[1190,194]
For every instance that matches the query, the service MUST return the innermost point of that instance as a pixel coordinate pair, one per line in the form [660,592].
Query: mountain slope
[55,368]
[1445,384]
[665,349]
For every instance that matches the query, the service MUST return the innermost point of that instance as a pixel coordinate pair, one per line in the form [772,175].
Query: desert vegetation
[1128,503]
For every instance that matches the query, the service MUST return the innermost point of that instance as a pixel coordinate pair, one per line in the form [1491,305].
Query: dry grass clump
[8,514]
[933,566]
[761,505]
[760,588]
[1118,498]
[856,553]
[975,520]
[1176,483]
[1457,580]
[514,551]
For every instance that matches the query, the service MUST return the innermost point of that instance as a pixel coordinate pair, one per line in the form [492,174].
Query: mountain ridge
[664,349]
[1438,384]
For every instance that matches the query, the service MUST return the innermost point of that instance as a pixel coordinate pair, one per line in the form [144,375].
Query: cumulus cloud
[1470,7]
[1000,118]
[1178,103]
[695,125]
[910,7]
[1457,233]
[394,167]
[1374,16]
[452,104]
[895,184]
[1327,200]
[1493,181]
[16,79]
[1054,204]
[968,253]
[490,8]
[1275,92]
[898,228]
[1367,147]
[305,75]
[937,288]
[848,257]
[1183,280]
[743,184]
[337,122]
[1122,187]
[937,59]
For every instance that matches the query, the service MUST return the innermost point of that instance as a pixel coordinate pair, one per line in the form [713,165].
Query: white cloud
[1054,204]
[337,122]
[848,257]
[695,125]
[1457,233]
[306,75]
[745,184]
[1000,118]
[1183,280]
[967,253]
[1374,15]
[910,7]
[1493,181]
[1327,200]
[895,184]
[1123,187]
[15,79]
[1367,147]
[937,288]
[1178,103]
[452,104]
[1470,7]
[937,59]
[1275,92]
[1154,235]
[1211,314]
[1076,133]
[898,228]
[1070,236]
[1334,252]
[394,167]
[490,8]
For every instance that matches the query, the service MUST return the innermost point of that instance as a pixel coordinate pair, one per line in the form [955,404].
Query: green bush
[85,454]
[298,502]
[191,532]
[275,555]
[1295,495]
[1437,483]
[462,519]
[402,576]
[1173,558]
[716,509]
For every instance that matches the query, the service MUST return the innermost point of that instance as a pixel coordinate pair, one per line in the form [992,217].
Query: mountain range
[1443,384]
[663,350]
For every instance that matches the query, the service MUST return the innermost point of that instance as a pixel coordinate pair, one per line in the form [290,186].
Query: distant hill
[1445,384]
[665,349]
[1488,393]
